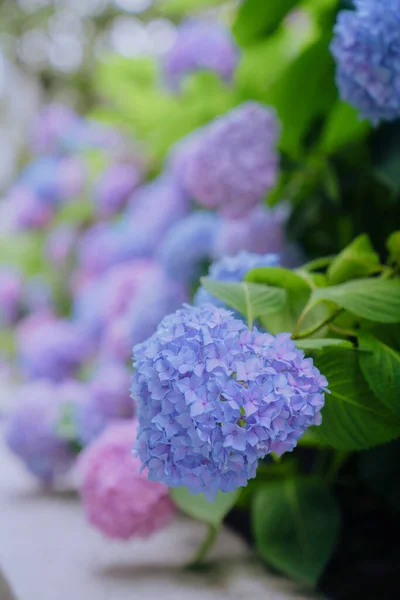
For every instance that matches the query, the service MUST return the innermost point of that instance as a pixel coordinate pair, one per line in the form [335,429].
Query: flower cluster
[214,398]
[118,499]
[366,47]
[32,430]
[233,163]
[201,46]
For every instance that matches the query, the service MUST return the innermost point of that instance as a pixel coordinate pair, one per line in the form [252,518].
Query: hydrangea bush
[212,282]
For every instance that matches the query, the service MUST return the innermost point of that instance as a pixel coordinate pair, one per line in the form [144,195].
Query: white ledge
[48,552]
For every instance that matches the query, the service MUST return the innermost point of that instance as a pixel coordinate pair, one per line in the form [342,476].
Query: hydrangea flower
[233,269]
[108,401]
[60,244]
[11,290]
[117,497]
[201,46]
[31,431]
[53,179]
[135,235]
[50,126]
[232,163]
[214,398]
[188,245]
[157,297]
[27,210]
[262,230]
[366,47]
[114,187]
[106,298]
[39,295]
[51,348]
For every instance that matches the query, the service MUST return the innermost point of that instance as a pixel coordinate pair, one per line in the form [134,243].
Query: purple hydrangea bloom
[32,430]
[50,127]
[214,398]
[135,235]
[159,297]
[233,269]
[201,46]
[53,179]
[108,401]
[232,163]
[114,187]
[366,47]
[51,348]
[188,245]
[39,295]
[11,290]
[261,231]
[27,210]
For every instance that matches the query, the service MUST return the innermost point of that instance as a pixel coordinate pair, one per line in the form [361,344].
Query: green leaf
[177,8]
[358,259]
[343,127]
[247,298]
[393,245]
[257,18]
[198,507]
[66,425]
[353,418]
[381,368]
[373,299]
[322,343]
[297,290]
[309,79]
[295,524]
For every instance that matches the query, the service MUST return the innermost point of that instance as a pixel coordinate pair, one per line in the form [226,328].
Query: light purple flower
[51,348]
[11,291]
[201,46]
[50,127]
[366,47]
[32,430]
[108,401]
[232,163]
[214,398]
[27,210]
[261,231]
[114,187]
[189,245]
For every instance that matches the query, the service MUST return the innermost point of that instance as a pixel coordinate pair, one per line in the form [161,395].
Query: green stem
[304,334]
[211,536]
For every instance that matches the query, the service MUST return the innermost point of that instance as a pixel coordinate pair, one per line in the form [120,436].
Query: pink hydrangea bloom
[117,498]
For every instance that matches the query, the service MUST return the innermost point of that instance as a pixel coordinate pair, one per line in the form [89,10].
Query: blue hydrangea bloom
[231,163]
[188,245]
[214,398]
[233,269]
[114,187]
[40,177]
[366,47]
[201,46]
[32,434]
[153,209]
[108,400]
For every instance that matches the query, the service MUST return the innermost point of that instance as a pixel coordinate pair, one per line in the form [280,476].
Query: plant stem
[315,329]
[211,536]
[248,307]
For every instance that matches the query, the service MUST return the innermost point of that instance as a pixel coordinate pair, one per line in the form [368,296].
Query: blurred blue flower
[114,187]
[32,433]
[366,47]
[188,245]
[214,398]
